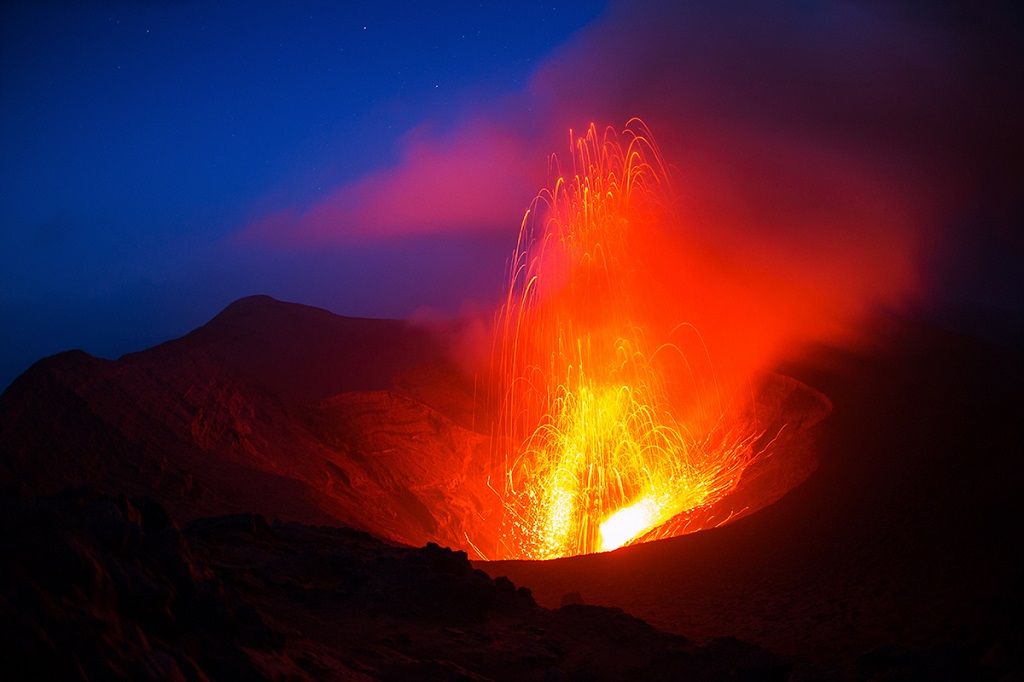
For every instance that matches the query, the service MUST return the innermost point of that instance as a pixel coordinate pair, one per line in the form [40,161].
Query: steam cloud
[829,158]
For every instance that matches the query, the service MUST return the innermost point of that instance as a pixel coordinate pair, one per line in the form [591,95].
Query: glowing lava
[596,451]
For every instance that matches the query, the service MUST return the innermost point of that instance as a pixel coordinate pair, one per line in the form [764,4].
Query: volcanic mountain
[899,554]
[274,408]
[296,413]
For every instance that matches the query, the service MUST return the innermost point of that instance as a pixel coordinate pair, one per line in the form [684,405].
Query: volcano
[295,413]
[274,408]
[257,489]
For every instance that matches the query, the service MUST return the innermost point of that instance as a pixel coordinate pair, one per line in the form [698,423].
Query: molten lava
[603,435]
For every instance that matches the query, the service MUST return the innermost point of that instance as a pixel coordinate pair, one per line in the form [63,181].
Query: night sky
[162,159]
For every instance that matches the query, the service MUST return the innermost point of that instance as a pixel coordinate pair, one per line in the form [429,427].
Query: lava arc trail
[611,421]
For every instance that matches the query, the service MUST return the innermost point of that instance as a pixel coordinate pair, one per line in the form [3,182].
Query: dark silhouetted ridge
[300,352]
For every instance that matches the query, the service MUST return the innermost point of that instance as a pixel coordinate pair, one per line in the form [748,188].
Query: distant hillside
[276,408]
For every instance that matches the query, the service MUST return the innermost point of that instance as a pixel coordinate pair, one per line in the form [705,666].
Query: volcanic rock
[97,587]
[280,409]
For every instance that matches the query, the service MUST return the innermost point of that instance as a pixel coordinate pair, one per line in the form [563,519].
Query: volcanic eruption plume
[612,421]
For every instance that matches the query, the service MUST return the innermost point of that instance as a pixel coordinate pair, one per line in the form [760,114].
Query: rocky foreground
[99,587]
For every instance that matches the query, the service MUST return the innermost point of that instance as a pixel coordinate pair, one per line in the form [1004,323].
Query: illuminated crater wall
[613,425]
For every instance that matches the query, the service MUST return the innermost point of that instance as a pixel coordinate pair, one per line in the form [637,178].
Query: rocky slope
[98,587]
[272,408]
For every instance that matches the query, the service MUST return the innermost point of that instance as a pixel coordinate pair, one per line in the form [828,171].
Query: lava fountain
[611,420]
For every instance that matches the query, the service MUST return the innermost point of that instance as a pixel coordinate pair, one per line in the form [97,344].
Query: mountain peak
[298,351]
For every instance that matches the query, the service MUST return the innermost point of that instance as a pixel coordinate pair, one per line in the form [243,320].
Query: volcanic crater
[257,411]
[842,553]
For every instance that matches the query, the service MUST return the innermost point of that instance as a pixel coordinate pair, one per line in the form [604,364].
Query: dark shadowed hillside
[300,353]
[275,408]
[107,588]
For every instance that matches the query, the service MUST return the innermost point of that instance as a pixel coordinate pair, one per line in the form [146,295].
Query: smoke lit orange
[610,425]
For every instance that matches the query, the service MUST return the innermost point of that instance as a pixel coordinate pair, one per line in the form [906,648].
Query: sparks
[591,439]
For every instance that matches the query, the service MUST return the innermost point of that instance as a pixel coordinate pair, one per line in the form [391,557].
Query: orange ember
[609,426]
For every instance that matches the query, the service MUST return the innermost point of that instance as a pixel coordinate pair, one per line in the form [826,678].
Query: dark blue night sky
[162,159]
[139,137]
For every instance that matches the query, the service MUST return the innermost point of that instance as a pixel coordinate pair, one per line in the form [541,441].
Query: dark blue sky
[159,160]
[138,137]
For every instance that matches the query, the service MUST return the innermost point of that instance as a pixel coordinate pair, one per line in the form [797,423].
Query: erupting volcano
[612,420]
